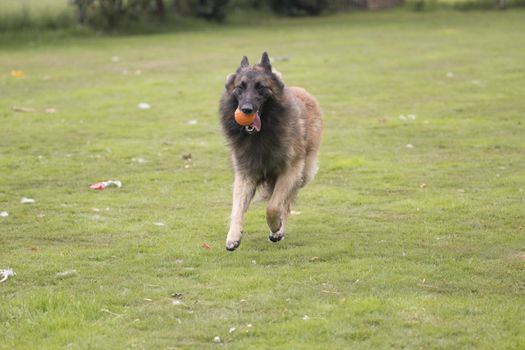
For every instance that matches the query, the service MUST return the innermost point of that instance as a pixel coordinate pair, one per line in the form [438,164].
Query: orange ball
[244,119]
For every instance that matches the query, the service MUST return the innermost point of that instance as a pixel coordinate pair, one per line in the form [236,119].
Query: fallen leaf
[187,156]
[17,73]
[176,295]
[34,249]
[409,145]
[306,318]
[520,256]
[231,330]
[314,258]
[111,313]
[206,246]
[423,186]
[22,109]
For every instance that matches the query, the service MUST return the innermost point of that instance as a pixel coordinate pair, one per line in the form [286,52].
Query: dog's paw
[233,241]
[232,245]
[276,236]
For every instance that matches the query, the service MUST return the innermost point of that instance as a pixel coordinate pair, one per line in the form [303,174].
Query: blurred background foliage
[111,14]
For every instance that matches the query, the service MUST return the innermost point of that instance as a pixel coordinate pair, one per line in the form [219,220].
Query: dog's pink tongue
[257,123]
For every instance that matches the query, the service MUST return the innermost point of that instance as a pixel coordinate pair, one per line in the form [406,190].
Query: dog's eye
[240,87]
[259,86]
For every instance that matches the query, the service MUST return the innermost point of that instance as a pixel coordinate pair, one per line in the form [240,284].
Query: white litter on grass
[158,223]
[450,75]
[139,160]
[409,145]
[306,318]
[5,274]
[144,105]
[4,214]
[231,330]
[294,212]
[66,274]
[217,339]
[176,302]
[26,200]
[407,117]
[192,122]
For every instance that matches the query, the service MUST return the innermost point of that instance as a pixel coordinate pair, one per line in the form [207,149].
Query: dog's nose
[247,108]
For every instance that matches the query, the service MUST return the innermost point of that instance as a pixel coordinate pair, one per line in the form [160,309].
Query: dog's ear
[265,62]
[229,81]
[244,62]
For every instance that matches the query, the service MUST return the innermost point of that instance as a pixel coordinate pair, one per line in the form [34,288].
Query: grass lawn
[411,236]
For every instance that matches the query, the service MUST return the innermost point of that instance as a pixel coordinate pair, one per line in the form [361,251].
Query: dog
[277,153]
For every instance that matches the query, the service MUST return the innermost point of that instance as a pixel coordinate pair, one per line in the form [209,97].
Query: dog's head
[252,86]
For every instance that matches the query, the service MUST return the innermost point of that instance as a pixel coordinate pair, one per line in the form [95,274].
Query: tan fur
[303,139]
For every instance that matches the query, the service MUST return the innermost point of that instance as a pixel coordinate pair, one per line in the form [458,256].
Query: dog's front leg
[243,191]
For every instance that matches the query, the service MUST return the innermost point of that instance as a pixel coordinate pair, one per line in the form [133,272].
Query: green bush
[300,7]
[215,10]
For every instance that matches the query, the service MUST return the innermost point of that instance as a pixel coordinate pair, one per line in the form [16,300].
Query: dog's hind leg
[243,191]
[310,168]
[284,193]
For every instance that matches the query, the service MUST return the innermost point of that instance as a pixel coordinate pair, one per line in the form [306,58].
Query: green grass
[394,247]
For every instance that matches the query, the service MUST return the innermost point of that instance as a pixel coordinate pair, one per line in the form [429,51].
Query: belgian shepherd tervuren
[277,153]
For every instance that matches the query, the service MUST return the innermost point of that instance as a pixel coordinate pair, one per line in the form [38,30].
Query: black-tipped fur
[277,152]
[263,155]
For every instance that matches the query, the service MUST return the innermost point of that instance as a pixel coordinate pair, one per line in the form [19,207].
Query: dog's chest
[262,158]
